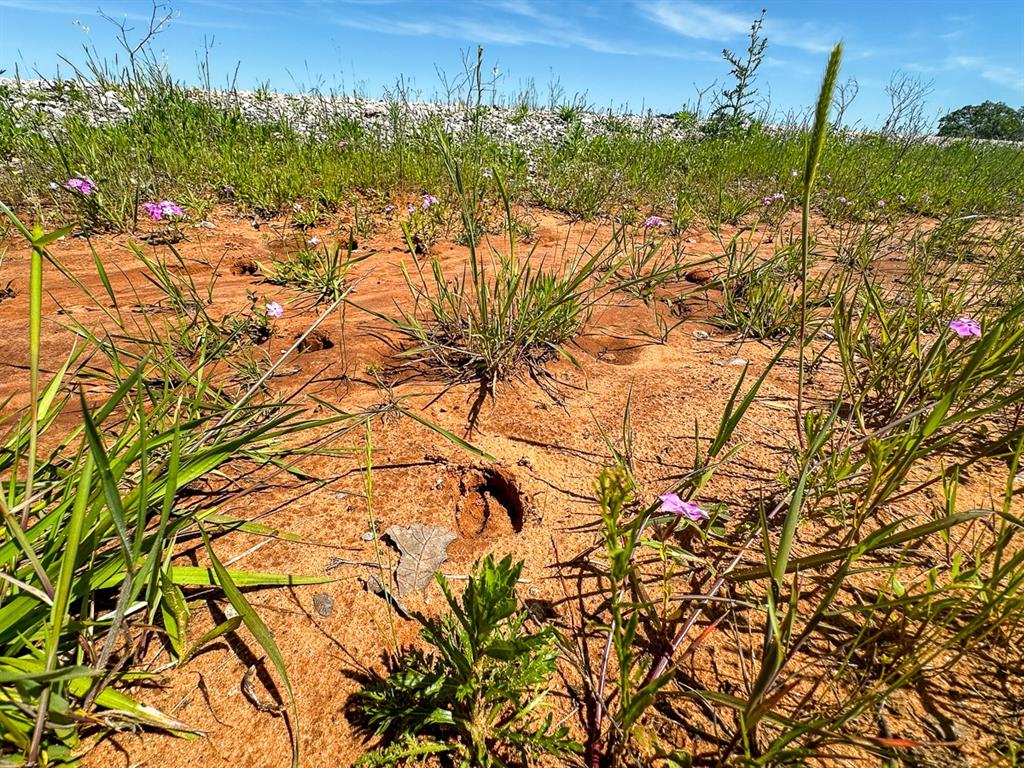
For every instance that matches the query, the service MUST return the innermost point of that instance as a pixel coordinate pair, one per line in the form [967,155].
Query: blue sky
[640,53]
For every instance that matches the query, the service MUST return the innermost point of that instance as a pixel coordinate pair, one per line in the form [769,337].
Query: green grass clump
[503,315]
[319,272]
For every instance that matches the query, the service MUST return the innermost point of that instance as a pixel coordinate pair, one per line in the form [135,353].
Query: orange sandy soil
[552,449]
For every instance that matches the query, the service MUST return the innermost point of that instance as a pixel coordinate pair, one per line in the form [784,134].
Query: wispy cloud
[83,11]
[1000,74]
[513,23]
[708,22]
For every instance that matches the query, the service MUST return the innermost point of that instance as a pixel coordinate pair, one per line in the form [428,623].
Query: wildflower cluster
[82,184]
[424,224]
[165,209]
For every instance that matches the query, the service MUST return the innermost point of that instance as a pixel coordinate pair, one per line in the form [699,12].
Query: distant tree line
[988,120]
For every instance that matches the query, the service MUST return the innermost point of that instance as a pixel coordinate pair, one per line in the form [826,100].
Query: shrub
[478,693]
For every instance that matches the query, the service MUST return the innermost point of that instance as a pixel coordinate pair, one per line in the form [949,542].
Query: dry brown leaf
[423,548]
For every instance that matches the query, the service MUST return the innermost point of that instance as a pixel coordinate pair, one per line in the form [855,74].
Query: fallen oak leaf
[423,549]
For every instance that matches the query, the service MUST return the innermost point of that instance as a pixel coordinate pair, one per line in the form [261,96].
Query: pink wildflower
[274,310]
[965,326]
[671,503]
[82,184]
[653,222]
[163,209]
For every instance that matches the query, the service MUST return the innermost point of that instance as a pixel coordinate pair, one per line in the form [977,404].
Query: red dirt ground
[552,448]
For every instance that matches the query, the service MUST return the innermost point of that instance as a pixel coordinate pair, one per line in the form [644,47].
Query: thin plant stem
[817,143]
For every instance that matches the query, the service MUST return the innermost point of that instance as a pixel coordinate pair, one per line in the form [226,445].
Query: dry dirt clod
[699,276]
[323,603]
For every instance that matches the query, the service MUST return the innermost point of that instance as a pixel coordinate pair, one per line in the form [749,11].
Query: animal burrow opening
[490,503]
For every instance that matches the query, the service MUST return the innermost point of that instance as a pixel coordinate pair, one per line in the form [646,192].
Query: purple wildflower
[843,201]
[653,222]
[274,310]
[487,173]
[965,326]
[881,203]
[314,240]
[171,209]
[670,502]
[343,143]
[82,184]
[388,208]
[429,200]
[163,209]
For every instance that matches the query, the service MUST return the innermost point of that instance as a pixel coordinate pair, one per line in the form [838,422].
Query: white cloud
[521,23]
[999,74]
[1008,77]
[708,22]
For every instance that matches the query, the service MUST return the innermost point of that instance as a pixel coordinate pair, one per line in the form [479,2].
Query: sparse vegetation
[792,357]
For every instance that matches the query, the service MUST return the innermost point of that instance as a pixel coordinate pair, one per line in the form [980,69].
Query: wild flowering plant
[86,199]
[82,184]
[423,227]
[257,325]
[165,209]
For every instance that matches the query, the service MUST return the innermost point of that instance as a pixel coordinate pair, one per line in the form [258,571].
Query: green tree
[989,120]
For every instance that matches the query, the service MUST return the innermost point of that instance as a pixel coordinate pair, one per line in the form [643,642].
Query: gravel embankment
[36,102]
